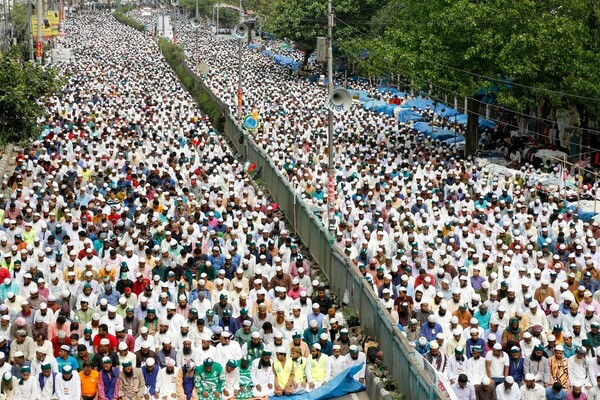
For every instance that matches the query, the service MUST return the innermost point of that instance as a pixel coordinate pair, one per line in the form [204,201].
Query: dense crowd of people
[492,279]
[139,261]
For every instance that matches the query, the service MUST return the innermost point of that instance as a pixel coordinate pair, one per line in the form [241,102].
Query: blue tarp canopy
[452,140]
[254,45]
[419,102]
[362,94]
[445,111]
[339,386]
[483,123]
[407,115]
[442,134]
[374,105]
[391,90]
[585,216]
[267,53]
[286,62]
[422,127]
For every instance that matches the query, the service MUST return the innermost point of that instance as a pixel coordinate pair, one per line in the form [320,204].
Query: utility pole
[240,92]
[330,171]
[40,17]
[30,30]
[196,38]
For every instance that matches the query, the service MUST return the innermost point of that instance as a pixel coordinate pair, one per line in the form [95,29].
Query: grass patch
[175,57]
[120,16]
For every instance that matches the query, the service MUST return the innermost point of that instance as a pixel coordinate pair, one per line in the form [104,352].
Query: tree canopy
[22,85]
[456,46]
[302,21]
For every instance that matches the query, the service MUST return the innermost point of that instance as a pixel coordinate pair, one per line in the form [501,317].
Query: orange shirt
[89,383]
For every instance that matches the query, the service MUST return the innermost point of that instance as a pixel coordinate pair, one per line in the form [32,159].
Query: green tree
[22,85]
[548,44]
[302,21]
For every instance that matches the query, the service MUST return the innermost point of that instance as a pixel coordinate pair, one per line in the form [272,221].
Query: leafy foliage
[548,44]
[176,59]
[120,16]
[21,85]
[301,21]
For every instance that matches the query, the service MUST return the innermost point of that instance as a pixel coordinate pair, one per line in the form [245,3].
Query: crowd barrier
[399,357]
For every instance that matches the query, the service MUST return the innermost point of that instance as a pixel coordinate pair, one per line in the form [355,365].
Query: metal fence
[399,357]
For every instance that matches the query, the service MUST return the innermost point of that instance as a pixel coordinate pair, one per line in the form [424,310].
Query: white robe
[30,388]
[337,365]
[15,394]
[166,384]
[68,390]
[262,377]
[232,383]
[232,351]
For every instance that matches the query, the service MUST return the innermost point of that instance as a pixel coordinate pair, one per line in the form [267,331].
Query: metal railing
[399,357]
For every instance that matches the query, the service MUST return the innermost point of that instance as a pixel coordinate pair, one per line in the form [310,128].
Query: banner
[50,25]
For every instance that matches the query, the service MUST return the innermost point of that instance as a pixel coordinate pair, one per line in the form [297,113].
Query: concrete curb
[375,388]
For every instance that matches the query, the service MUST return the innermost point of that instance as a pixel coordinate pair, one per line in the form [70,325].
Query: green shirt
[210,382]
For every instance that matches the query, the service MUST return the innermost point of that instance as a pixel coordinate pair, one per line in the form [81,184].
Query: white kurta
[262,377]
[68,390]
[232,383]
[362,358]
[166,384]
[30,388]
[337,365]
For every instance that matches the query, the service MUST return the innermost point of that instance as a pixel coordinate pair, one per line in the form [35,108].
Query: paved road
[355,396]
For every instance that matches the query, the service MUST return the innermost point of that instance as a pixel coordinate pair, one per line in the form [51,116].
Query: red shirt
[112,339]
[139,287]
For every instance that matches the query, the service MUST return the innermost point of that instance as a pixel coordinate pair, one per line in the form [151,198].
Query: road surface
[355,396]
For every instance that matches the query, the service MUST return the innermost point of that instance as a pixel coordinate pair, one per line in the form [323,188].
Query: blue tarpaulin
[442,134]
[374,105]
[391,90]
[267,53]
[422,127]
[445,111]
[483,123]
[339,386]
[362,94]
[419,102]
[407,114]
[286,62]
[452,140]
[254,45]
[585,216]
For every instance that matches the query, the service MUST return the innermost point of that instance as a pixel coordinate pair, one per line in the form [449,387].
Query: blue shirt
[69,361]
[552,395]
[429,332]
